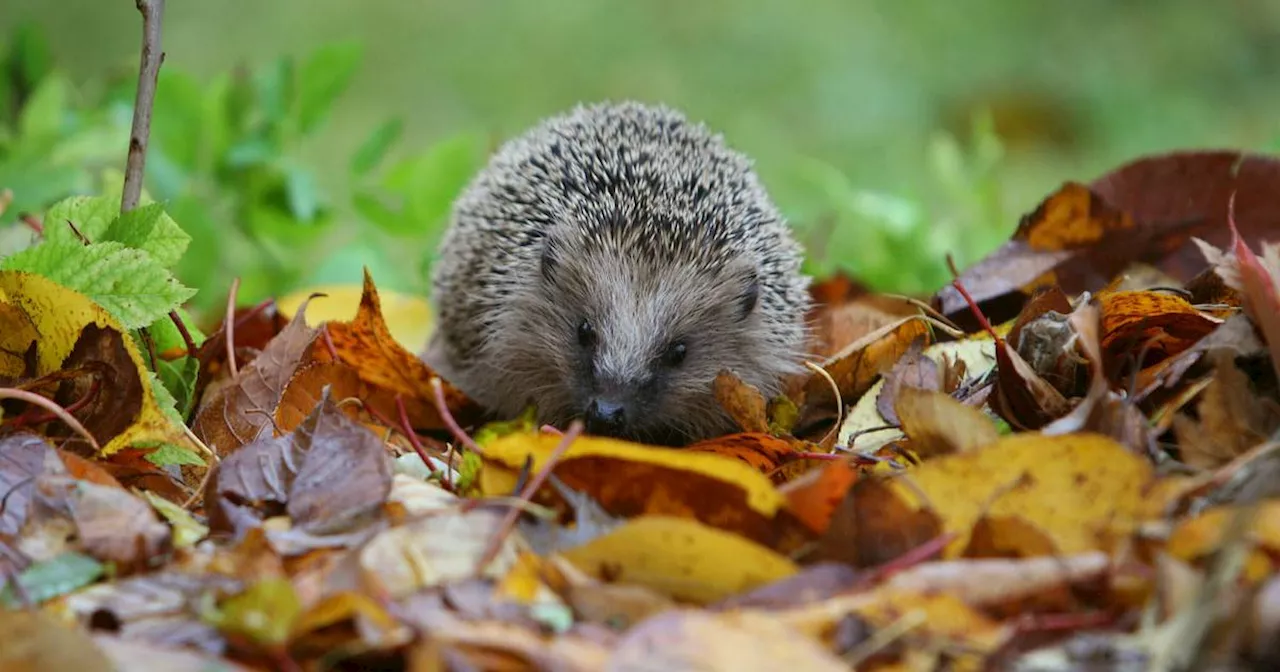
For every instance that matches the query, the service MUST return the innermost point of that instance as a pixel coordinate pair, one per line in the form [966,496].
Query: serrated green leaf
[179,381]
[43,114]
[371,151]
[50,578]
[128,283]
[166,454]
[168,405]
[91,216]
[148,228]
[322,78]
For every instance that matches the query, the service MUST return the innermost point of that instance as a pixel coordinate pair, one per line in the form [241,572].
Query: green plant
[900,242]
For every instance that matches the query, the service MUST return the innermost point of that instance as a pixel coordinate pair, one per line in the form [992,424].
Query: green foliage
[47,579]
[900,243]
[127,282]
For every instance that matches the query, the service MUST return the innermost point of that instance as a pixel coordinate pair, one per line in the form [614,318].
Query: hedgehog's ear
[749,296]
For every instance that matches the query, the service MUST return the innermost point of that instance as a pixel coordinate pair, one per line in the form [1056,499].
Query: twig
[186,335]
[229,325]
[148,73]
[530,489]
[443,409]
[407,428]
[835,388]
[52,407]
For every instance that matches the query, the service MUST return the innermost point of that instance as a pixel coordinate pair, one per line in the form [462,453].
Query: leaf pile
[1066,456]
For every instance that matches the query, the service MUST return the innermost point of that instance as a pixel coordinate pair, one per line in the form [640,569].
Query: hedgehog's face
[633,346]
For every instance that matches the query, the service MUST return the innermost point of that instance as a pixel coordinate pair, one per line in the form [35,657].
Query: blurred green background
[299,139]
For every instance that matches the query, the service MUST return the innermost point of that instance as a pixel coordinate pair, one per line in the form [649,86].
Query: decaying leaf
[68,331]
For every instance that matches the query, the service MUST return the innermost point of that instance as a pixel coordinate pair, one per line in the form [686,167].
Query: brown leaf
[1075,238]
[157,607]
[242,411]
[37,642]
[111,524]
[873,525]
[367,346]
[331,476]
[1167,191]
[742,401]
[859,364]
[109,381]
[914,370]
[1232,418]
[937,424]
[1023,398]
[696,640]
[1157,324]
[763,451]
[814,497]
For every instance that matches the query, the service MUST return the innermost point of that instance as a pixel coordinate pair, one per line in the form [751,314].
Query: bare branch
[148,72]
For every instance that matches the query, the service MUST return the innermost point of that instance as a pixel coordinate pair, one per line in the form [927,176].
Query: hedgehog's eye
[586,334]
[674,354]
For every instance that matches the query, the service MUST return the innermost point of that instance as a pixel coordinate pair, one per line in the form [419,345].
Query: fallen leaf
[937,424]
[37,642]
[873,525]
[241,412]
[742,401]
[681,558]
[330,476]
[913,370]
[630,480]
[74,332]
[1232,418]
[1082,490]
[1157,324]
[859,364]
[694,640]
[367,346]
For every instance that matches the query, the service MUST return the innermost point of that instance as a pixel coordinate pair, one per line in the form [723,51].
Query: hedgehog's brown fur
[652,230]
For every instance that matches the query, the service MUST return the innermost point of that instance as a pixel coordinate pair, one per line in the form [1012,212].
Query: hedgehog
[606,266]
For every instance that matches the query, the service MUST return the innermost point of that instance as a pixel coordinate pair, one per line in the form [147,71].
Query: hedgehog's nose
[606,417]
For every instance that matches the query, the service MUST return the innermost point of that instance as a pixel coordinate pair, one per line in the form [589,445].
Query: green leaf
[374,148]
[167,454]
[264,613]
[50,578]
[374,210]
[304,197]
[30,57]
[432,180]
[186,530]
[166,401]
[127,283]
[179,382]
[164,333]
[148,228]
[44,112]
[322,78]
[91,215]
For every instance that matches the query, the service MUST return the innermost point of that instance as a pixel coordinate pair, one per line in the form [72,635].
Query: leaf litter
[1067,453]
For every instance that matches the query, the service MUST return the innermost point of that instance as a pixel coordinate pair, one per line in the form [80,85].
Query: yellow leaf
[630,479]
[1080,490]
[57,316]
[680,558]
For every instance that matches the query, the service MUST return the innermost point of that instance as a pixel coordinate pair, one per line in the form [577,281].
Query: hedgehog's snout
[606,417]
